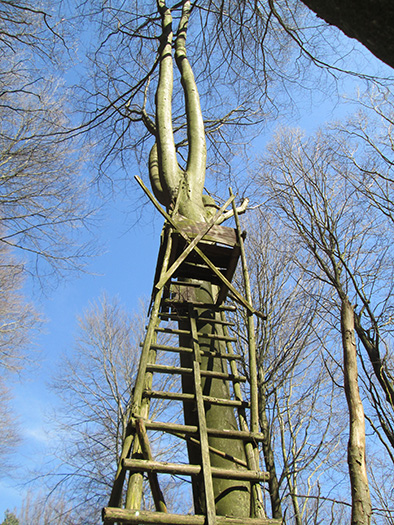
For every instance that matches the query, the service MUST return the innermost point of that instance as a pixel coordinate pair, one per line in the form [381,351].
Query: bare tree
[323,210]
[95,388]
[10,436]
[299,405]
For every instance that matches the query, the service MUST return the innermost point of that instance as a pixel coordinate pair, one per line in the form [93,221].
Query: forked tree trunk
[181,191]
[361,500]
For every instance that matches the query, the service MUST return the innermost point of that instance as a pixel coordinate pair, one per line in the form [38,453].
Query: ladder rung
[190,430]
[177,331]
[223,356]
[177,317]
[207,353]
[165,369]
[175,396]
[207,306]
[167,348]
[218,337]
[222,375]
[178,396]
[143,517]
[144,465]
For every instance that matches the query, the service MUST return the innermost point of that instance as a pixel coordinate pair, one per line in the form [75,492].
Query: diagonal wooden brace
[193,244]
[157,494]
[207,261]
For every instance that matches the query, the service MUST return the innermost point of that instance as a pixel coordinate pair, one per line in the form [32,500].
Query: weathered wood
[202,425]
[203,233]
[158,496]
[217,233]
[140,406]
[178,396]
[215,308]
[207,261]
[187,350]
[254,415]
[113,515]
[191,429]
[143,465]
[165,369]
[177,331]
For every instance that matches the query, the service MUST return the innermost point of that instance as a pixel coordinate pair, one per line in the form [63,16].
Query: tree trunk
[361,501]
[269,458]
[232,498]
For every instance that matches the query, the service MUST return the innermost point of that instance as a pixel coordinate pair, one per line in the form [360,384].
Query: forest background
[74,223]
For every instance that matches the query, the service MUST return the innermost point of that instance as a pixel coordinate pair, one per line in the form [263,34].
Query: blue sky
[126,270]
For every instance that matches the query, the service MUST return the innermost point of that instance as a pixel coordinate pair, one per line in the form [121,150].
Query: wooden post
[157,494]
[202,424]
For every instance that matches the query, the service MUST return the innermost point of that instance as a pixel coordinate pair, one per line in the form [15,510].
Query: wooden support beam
[139,517]
[207,261]
[158,496]
[143,465]
[215,219]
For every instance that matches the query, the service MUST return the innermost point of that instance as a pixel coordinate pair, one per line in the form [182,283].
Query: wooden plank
[219,255]
[203,232]
[143,465]
[207,353]
[179,396]
[165,369]
[217,233]
[191,430]
[114,515]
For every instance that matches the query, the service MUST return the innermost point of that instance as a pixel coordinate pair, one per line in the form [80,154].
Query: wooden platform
[219,245]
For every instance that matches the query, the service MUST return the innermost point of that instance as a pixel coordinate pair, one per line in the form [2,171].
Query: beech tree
[309,188]
[248,50]
[299,404]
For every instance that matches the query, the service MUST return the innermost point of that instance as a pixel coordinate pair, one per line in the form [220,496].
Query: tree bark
[369,21]
[361,500]
[269,458]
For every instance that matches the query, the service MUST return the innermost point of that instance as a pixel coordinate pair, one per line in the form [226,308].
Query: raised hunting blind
[219,430]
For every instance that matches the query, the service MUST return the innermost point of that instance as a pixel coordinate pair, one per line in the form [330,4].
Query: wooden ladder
[174,300]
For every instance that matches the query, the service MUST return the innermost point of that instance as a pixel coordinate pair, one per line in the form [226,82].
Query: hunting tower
[217,438]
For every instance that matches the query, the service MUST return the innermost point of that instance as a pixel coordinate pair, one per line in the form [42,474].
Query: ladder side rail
[150,334]
[202,424]
[128,443]
[135,483]
[251,328]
